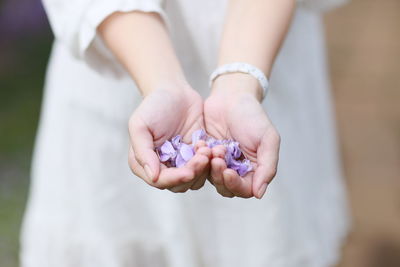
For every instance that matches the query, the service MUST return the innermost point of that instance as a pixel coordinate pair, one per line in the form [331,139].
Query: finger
[224,192]
[204,150]
[199,162]
[219,151]
[194,185]
[239,186]
[200,166]
[143,147]
[199,183]
[138,170]
[267,163]
[170,177]
[135,166]
[199,144]
[181,188]
[218,165]
[197,165]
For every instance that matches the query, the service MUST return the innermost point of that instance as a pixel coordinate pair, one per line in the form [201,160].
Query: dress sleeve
[74,24]
[321,5]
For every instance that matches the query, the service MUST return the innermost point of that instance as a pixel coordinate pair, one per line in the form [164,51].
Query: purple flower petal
[179,161]
[233,149]
[175,153]
[198,135]
[167,148]
[176,141]
[244,168]
[164,157]
[186,151]
[229,159]
[166,151]
[212,142]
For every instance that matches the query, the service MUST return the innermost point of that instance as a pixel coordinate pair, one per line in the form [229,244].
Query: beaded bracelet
[243,68]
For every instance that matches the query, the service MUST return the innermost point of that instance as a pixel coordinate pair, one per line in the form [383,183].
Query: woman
[87,209]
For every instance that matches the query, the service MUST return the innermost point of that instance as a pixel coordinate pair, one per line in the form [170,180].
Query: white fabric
[87,209]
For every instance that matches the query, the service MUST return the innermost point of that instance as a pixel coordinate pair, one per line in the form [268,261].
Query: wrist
[234,84]
[173,86]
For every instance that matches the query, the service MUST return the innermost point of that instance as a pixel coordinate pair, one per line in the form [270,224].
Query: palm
[167,115]
[161,116]
[243,119]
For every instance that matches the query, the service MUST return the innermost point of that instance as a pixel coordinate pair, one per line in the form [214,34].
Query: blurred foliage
[22,69]
[21,83]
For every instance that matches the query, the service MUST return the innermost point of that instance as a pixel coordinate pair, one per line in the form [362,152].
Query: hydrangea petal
[179,161]
[212,142]
[233,149]
[198,135]
[242,169]
[176,141]
[175,153]
[167,148]
[164,157]
[186,151]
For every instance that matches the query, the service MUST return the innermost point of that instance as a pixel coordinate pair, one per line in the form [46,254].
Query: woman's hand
[140,41]
[163,114]
[233,111]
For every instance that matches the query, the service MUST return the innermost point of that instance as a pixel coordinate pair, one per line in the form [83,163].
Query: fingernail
[262,190]
[148,172]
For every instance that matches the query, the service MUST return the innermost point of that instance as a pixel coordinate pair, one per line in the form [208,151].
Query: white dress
[87,209]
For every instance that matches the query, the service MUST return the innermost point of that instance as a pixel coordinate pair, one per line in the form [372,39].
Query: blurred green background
[25,43]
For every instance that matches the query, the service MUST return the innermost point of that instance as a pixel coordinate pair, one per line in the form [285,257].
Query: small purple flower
[175,153]
[167,151]
[241,167]
[185,153]
[176,141]
[233,148]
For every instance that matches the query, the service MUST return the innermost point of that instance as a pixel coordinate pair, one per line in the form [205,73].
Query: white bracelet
[243,68]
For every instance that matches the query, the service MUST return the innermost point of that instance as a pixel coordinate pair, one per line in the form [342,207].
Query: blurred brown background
[363,40]
[364,53]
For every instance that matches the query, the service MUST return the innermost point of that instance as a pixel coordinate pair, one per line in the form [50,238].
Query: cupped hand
[233,111]
[162,115]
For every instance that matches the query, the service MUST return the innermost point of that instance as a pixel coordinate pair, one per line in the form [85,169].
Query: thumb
[267,163]
[143,147]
